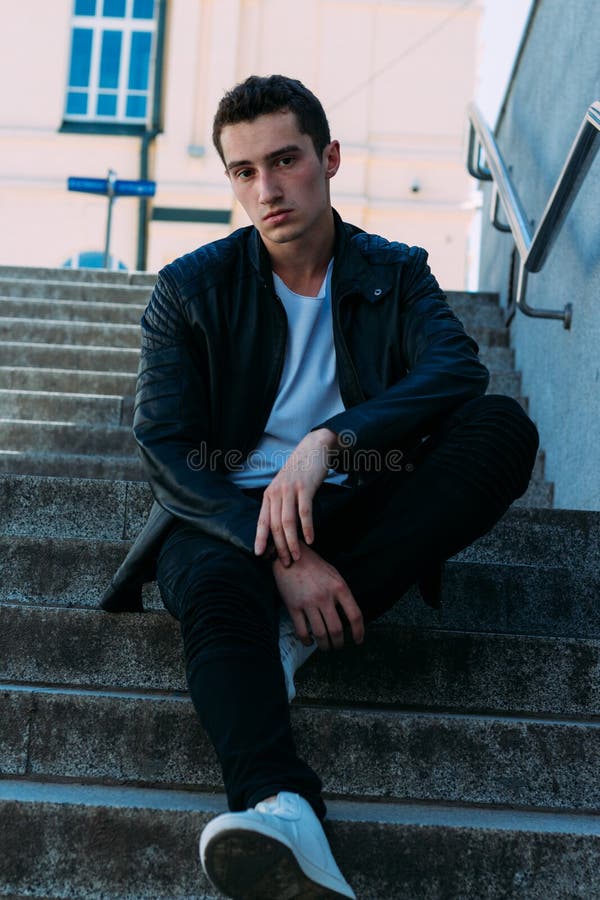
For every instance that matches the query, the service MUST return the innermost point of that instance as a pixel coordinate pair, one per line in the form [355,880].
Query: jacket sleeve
[443,369]
[173,425]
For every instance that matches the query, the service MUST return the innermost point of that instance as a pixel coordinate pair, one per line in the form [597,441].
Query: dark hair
[259,95]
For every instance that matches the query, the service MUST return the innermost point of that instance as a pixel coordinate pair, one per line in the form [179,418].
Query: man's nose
[270,191]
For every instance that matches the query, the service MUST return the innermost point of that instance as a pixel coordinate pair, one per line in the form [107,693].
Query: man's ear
[331,158]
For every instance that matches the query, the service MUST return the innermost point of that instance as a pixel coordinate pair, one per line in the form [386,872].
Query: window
[112,49]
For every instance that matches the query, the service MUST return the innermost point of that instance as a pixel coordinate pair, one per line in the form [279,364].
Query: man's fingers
[262,530]
[334,627]
[306,517]
[353,614]
[317,626]
[269,523]
[298,618]
[278,533]
[281,545]
[289,521]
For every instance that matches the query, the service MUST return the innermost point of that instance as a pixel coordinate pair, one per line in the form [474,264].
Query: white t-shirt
[308,391]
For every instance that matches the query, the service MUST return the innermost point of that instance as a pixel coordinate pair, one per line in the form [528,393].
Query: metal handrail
[533,249]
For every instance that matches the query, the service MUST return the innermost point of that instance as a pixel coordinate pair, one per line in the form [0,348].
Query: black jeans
[381,537]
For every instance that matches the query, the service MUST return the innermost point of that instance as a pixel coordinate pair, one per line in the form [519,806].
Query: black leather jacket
[213,345]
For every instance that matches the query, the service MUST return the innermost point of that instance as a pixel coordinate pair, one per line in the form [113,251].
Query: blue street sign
[111,187]
[135,188]
[89,185]
[120,188]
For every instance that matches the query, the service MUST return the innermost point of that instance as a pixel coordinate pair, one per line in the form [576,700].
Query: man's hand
[312,589]
[290,496]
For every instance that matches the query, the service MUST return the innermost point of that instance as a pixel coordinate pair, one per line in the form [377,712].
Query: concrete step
[97,276]
[71,310]
[65,437]
[64,356]
[407,756]
[82,508]
[498,359]
[119,335]
[481,306]
[485,335]
[539,467]
[480,595]
[92,409]
[48,331]
[538,494]
[66,381]
[72,507]
[117,511]
[389,851]
[94,291]
[505,383]
[71,465]
[130,503]
[128,468]
[396,668]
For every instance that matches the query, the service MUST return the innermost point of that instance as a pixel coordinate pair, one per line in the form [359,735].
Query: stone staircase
[69,344]
[459,750]
[69,348]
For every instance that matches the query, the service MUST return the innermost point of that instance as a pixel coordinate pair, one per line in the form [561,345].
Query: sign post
[110,190]
[111,187]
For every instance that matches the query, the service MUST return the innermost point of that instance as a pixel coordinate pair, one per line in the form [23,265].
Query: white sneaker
[292,650]
[276,851]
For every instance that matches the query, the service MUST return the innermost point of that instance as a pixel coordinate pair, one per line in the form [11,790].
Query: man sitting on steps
[311,418]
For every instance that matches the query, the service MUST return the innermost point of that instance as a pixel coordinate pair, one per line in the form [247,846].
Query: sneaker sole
[246,865]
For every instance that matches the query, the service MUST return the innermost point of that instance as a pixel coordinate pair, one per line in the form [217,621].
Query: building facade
[132,86]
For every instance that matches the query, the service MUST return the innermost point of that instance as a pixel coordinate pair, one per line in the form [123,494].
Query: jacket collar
[352,273]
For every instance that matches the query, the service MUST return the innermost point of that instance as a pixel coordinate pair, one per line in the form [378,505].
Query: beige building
[132,85]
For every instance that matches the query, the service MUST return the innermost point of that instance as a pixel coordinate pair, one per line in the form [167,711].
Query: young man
[312,422]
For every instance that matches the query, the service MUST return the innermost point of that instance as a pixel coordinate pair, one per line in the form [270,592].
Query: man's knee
[493,442]
[210,583]
[498,412]
[511,437]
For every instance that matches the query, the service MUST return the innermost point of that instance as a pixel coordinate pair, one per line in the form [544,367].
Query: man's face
[277,176]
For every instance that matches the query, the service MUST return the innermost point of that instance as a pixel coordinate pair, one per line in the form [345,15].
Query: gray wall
[556,79]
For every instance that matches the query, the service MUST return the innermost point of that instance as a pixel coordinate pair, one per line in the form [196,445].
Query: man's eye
[285,161]
[244,174]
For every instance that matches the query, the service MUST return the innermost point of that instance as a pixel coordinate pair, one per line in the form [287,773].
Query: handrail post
[498,225]
[474,157]
[566,314]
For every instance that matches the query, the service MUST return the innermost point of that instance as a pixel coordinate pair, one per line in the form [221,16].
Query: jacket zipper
[279,366]
[340,341]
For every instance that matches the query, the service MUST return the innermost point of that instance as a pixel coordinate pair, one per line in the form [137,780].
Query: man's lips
[277,214]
